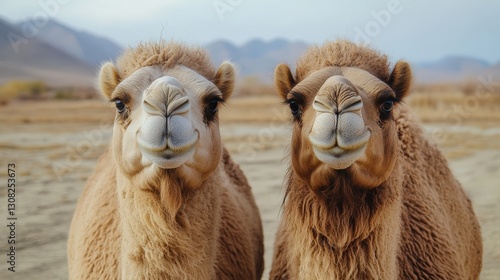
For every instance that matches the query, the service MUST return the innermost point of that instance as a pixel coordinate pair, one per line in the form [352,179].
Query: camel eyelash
[211,97]
[295,97]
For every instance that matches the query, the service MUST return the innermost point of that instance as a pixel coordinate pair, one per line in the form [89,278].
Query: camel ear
[109,78]
[284,80]
[401,79]
[224,79]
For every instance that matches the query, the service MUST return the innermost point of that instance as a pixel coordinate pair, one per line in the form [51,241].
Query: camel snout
[339,135]
[167,136]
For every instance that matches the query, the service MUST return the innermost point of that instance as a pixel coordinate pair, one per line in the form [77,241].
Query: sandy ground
[55,147]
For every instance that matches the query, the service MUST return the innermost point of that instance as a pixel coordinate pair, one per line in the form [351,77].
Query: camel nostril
[324,107]
[178,106]
[166,103]
[352,104]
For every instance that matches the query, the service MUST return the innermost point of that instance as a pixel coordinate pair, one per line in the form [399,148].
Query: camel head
[166,120]
[344,123]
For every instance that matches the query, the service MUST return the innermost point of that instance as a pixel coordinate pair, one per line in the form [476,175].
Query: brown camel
[166,201]
[368,196]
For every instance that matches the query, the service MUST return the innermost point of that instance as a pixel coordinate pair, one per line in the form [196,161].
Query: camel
[367,195]
[166,201]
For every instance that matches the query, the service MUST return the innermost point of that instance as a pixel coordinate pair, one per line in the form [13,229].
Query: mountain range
[257,57]
[63,56]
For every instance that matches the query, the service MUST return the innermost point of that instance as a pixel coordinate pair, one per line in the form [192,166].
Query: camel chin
[169,158]
[338,158]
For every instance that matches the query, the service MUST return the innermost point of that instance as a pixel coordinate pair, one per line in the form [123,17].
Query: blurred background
[54,126]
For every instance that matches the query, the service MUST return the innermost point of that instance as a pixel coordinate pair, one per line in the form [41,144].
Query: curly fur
[343,53]
[95,237]
[417,224]
[166,54]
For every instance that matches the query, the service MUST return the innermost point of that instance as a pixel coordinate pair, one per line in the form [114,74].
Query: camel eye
[120,106]
[212,106]
[294,107]
[387,106]
[211,109]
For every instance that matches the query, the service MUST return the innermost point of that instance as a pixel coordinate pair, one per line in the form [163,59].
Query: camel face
[161,116]
[344,125]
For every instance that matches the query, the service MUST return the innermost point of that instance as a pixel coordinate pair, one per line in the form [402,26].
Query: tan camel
[368,197]
[166,201]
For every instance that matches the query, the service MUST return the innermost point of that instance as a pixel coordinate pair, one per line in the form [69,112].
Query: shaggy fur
[417,224]
[343,53]
[166,55]
[174,224]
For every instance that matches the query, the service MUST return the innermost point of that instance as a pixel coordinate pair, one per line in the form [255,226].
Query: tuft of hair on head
[343,53]
[109,78]
[166,55]
[224,79]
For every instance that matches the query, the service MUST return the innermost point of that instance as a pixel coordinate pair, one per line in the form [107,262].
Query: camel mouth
[171,155]
[340,152]
[337,157]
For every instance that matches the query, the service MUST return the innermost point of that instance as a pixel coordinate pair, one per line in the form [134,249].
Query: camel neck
[160,245]
[343,232]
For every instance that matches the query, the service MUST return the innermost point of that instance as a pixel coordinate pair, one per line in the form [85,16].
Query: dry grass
[254,109]
[82,111]
[21,89]
[456,104]
[37,90]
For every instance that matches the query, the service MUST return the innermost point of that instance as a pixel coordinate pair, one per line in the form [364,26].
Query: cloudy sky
[417,30]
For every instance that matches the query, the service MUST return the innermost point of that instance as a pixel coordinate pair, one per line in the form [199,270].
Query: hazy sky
[417,30]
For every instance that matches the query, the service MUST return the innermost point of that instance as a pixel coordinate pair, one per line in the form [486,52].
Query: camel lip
[170,156]
[166,145]
[337,157]
[188,146]
[337,151]
[338,145]
[168,159]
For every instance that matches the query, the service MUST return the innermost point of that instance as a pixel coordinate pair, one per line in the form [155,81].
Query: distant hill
[37,60]
[257,58]
[62,56]
[453,69]
[87,47]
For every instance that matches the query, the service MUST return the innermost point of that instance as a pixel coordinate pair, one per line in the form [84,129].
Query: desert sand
[55,145]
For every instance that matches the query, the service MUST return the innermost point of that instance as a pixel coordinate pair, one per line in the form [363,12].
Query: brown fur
[416,224]
[193,222]
[165,54]
[343,53]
